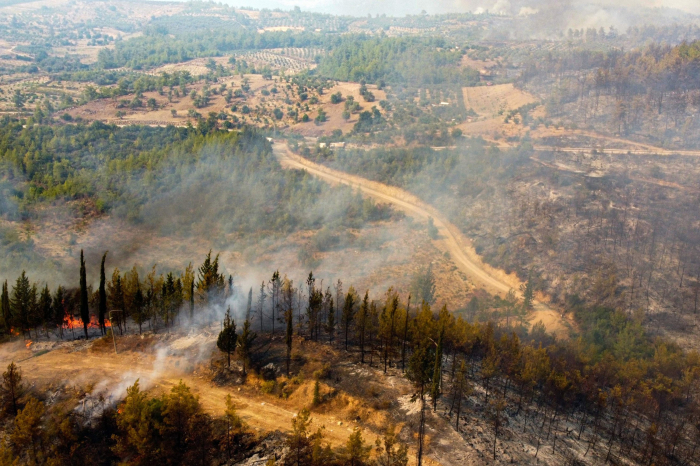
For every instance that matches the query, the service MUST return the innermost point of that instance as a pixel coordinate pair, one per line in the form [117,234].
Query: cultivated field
[490,101]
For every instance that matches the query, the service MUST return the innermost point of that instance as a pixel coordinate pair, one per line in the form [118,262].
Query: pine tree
[348,315]
[261,305]
[437,370]
[407,319]
[139,314]
[234,424]
[59,310]
[390,451]
[423,285]
[211,284]
[84,310]
[356,453]
[330,327]
[45,308]
[249,307]
[299,441]
[27,436]
[276,285]
[420,369]
[11,388]
[227,337]
[316,400]
[528,292]
[22,302]
[362,318]
[288,319]
[245,345]
[102,306]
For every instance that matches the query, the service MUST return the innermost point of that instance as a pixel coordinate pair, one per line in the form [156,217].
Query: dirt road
[73,369]
[450,239]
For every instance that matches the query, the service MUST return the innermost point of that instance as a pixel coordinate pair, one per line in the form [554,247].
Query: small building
[337,145]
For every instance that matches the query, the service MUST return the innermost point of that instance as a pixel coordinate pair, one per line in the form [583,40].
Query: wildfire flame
[70,322]
[29,343]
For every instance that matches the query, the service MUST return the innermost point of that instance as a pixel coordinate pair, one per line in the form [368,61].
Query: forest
[257,236]
[627,394]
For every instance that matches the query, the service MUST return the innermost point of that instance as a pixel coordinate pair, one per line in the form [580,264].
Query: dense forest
[183,181]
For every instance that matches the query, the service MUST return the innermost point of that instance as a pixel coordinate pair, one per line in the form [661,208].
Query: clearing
[490,101]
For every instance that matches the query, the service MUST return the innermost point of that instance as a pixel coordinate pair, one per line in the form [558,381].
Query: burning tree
[102,306]
[84,309]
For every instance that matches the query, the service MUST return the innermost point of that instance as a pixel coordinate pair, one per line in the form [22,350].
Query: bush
[323,373]
[268,386]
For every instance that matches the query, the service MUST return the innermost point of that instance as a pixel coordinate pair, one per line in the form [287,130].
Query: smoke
[414,7]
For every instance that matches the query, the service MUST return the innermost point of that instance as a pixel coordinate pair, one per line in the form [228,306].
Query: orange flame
[29,343]
[70,322]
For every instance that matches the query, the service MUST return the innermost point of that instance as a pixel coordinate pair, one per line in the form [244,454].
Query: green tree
[437,371]
[330,325]
[59,309]
[11,389]
[102,306]
[362,317]
[348,316]
[211,283]
[138,424]
[423,285]
[45,313]
[390,451]
[288,338]
[420,370]
[234,425]
[528,292]
[356,452]
[28,435]
[316,400]
[84,310]
[23,302]
[5,311]
[227,337]
[245,345]
[180,409]
[300,443]
[139,313]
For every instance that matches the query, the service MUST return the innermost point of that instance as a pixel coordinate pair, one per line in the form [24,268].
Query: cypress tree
[84,309]
[331,322]
[102,307]
[5,308]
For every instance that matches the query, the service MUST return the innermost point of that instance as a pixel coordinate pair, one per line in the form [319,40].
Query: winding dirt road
[450,239]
